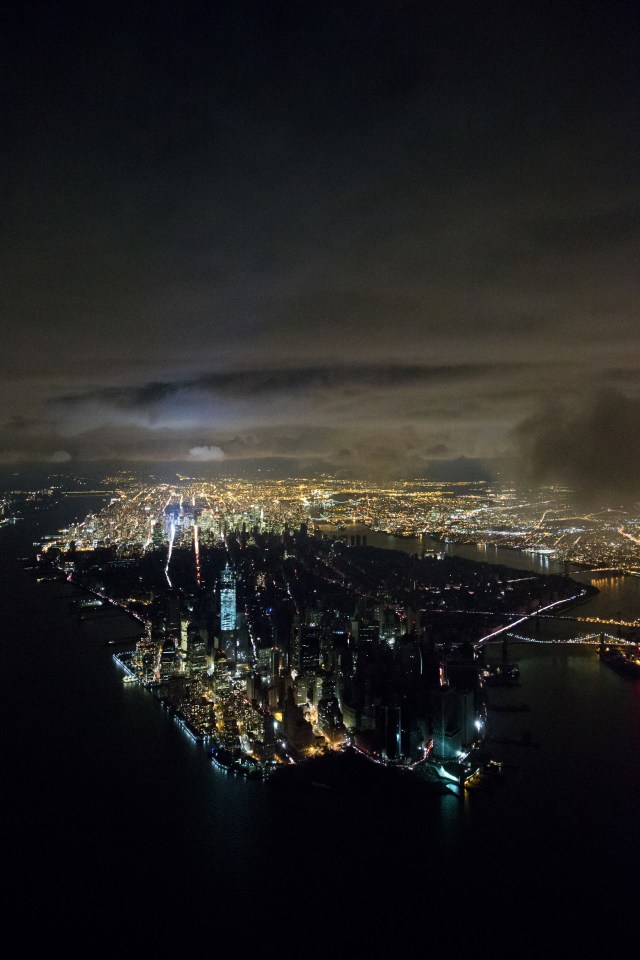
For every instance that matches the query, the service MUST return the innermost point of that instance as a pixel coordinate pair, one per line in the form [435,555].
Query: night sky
[380,238]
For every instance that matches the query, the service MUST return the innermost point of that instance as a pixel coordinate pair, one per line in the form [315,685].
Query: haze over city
[381,239]
[319,447]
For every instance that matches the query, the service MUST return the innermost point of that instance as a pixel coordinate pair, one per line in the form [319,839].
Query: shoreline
[582,568]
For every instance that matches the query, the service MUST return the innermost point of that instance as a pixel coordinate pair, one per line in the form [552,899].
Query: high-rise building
[146,659]
[228,615]
[184,627]
[368,631]
[168,660]
[309,648]
[196,653]
[392,728]
[228,599]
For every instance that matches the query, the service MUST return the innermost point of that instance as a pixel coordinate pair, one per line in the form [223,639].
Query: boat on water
[627,665]
[501,675]
[83,602]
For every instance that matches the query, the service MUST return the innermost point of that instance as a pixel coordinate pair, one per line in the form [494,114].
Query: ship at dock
[624,660]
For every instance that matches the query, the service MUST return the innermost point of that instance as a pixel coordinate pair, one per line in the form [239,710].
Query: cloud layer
[542,423]
[375,238]
[594,447]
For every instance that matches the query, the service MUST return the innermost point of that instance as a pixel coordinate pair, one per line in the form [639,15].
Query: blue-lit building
[227,599]
[228,616]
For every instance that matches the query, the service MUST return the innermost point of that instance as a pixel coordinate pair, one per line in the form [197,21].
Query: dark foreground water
[107,799]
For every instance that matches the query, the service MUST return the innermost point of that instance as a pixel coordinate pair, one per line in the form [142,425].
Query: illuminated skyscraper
[227,599]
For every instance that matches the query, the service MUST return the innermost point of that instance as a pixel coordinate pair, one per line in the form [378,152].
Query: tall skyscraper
[309,648]
[196,653]
[227,599]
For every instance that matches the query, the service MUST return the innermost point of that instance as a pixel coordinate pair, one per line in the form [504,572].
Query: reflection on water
[103,786]
[619,596]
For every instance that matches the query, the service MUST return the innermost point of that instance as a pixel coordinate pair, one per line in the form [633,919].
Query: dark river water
[105,793]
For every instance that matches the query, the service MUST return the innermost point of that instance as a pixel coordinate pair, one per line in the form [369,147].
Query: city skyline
[384,241]
[319,520]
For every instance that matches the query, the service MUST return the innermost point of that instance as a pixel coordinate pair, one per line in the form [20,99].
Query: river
[619,596]
[104,789]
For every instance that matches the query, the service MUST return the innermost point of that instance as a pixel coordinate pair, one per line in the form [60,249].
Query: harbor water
[104,789]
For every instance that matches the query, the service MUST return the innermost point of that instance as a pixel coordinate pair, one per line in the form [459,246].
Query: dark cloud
[367,234]
[601,229]
[384,420]
[290,381]
[437,450]
[594,448]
